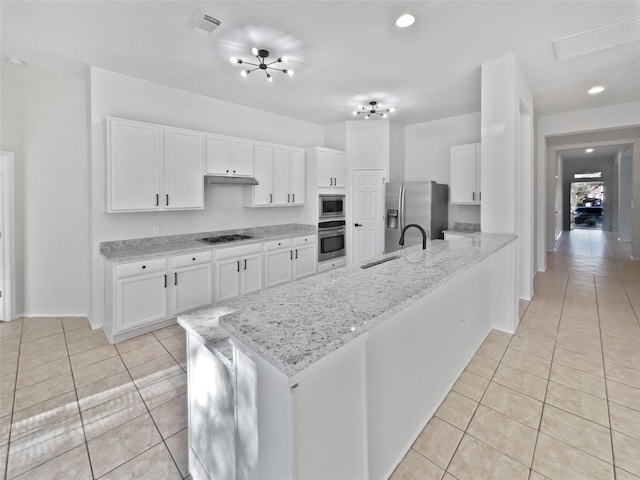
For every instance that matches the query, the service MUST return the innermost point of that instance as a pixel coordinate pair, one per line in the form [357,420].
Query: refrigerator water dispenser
[392,218]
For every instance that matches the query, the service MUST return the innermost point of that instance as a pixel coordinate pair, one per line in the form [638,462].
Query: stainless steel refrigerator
[423,203]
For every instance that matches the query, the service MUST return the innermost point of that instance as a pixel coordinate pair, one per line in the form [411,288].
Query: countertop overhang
[293,326]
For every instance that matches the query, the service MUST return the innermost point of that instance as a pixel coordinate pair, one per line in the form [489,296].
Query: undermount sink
[378,262]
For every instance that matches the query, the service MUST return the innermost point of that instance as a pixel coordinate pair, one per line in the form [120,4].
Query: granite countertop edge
[146,248]
[228,317]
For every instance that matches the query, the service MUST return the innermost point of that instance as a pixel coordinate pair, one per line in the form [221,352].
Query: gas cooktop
[227,238]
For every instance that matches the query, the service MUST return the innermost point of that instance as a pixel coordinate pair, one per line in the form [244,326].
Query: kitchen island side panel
[414,358]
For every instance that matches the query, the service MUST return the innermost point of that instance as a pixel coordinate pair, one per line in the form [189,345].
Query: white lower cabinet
[289,259]
[147,294]
[238,271]
[192,281]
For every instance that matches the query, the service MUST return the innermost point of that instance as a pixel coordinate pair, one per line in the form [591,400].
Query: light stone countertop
[294,325]
[143,248]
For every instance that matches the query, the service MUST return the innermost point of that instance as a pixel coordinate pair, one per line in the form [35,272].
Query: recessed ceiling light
[405,20]
[16,61]
[589,150]
[595,90]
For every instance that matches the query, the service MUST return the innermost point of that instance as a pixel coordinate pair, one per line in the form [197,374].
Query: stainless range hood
[228,180]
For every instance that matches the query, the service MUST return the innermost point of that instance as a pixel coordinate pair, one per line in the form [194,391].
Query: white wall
[588,120]
[396,152]
[113,94]
[45,122]
[427,155]
[625,178]
[507,160]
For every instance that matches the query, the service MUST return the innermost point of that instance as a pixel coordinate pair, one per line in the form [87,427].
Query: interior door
[368,214]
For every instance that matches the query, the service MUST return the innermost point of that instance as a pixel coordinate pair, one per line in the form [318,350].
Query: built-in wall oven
[331,239]
[331,206]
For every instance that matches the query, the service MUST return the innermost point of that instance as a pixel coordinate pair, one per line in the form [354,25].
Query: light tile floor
[560,399]
[72,406]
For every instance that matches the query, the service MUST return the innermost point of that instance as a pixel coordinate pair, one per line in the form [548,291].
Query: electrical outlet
[156,230]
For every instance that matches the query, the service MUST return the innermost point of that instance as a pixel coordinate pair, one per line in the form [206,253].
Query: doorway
[7,222]
[368,213]
[586,204]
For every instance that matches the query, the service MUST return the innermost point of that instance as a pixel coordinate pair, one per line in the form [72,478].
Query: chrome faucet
[424,235]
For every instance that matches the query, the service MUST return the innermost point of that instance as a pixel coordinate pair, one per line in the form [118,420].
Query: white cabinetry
[230,156]
[289,259]
[238,270]
[465,174]
[152,168]
[281,173]
[192,281]
[147,294]
[331,168]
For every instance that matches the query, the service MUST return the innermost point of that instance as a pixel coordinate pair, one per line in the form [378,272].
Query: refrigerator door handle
[401,207]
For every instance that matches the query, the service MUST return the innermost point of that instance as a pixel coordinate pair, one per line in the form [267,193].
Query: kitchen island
[334,376]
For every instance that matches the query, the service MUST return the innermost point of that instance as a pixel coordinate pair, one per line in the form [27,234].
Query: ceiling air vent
[203,23]
[609,36]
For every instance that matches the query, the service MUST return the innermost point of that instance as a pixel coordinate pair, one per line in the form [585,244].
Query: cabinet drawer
[305,240]
[230,252]
[277,244]
[196,258]
[142,267]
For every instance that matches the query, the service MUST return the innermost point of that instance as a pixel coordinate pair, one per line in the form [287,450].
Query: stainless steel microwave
[331,206]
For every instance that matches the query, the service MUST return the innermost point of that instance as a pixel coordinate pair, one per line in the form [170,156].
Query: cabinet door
[242,163]
[277,267]
[134,152]
[478,176]
[141,300]
[192,288]
[251,267]
[183,169]
[463,174]
[339,167]
[263,193]
[325,168]
[305,259]
[219,154]
[282,175]
[227,281]
[298,176]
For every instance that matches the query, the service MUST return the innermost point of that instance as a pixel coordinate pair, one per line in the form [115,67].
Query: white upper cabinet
[331,168]
[134,152]
[465,174]
[152,168]
[183,165]
[281,174]
[230,156]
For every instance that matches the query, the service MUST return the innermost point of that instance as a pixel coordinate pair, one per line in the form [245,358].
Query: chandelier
[261,55]
[373,109]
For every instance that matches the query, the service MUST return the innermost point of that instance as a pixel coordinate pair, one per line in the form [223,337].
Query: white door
[219,154]
[134,154]
[298,176]
[277,267]
[227,281]
[183,169]
[325,168]
[251,265]
[282,175]
[339,167]
[368,214]
[463,174]
[263,193]
[242,163]
[192,288]
[305,258]
[141,300]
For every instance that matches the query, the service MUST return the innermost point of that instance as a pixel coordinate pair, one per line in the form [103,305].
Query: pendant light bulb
[367,116]
[254,50]
[384,115]
[391,110]
[233,60]
[290,73]
[244,73]
[283,59]
[269,77]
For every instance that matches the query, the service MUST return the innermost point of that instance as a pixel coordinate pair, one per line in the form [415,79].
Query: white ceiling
[343,52]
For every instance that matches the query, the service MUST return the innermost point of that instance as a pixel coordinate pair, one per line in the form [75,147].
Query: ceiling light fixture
[261,55]
[595,90]
[374,108]
[589,150]
[405,20]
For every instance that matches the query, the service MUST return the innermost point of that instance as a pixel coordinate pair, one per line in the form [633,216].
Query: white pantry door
[368,213]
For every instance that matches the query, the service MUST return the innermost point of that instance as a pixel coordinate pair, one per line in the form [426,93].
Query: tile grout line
[546,390]
[606,390]
[13,404]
